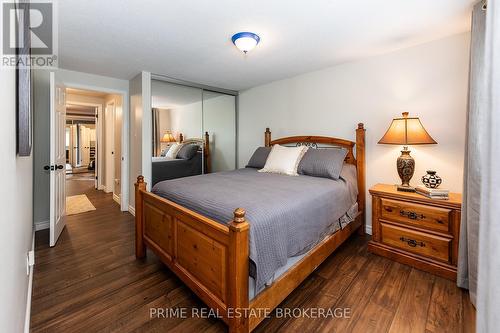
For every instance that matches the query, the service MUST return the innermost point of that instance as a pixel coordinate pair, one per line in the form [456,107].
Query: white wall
[430,81]
[140,132]
[187,119]
[16,198]
[41,115]
[164,123]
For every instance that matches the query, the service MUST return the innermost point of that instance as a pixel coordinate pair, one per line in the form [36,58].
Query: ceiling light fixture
[245,41]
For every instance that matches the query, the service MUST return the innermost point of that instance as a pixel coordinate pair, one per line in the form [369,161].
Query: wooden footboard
[210,258]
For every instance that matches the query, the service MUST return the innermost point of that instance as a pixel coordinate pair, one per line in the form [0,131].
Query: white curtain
[473,173]
[488,292]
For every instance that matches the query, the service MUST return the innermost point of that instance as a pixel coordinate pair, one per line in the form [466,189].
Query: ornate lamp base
[405,188]
[406,168]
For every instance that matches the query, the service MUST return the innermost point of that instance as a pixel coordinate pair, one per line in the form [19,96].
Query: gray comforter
[287,215]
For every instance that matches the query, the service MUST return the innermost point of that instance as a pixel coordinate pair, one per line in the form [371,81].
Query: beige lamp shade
[168,137]
[406,131]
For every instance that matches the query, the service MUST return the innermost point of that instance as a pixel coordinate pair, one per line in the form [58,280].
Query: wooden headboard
[203,143]
[355,153]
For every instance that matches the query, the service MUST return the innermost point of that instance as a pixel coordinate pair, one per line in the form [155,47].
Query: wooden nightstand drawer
[426,217]
[427,245]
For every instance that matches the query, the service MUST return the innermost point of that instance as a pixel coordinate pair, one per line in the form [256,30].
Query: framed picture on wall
[24,85]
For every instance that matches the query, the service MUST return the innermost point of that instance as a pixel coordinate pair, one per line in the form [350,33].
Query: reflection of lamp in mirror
[406,131]
[168,138]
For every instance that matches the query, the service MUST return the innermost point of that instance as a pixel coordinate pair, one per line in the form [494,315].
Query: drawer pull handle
[440,222]
[411,215]
[388,209]
[412,242]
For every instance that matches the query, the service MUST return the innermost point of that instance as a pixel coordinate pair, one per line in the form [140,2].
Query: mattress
[347,218]
[288,215]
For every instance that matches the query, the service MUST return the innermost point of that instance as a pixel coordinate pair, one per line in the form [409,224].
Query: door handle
[53,167]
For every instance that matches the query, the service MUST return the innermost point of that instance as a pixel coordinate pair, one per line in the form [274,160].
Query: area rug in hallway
[77,204]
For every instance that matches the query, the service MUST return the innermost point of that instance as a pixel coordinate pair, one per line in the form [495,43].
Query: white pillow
[174,149]
[284,160]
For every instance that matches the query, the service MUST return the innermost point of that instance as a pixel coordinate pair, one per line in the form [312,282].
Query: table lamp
[406,131]
[168,138]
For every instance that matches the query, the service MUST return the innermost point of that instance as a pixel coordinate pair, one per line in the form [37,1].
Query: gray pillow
[325,163]
[259,158]
[187,152]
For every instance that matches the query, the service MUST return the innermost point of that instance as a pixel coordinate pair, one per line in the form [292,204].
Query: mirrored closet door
[193,131]
[219,122]
[176,131]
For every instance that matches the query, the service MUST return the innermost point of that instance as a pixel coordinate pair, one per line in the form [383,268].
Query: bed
[222,256]
[164,168]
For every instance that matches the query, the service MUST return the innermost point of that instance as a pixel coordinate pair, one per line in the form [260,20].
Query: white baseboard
[28,298]
[41,225]
[101,187]
[131,210]
[116,198]
[368,229]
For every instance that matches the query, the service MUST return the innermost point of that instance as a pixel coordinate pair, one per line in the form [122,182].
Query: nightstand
[415,230]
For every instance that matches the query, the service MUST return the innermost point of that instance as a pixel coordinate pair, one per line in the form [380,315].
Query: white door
[85,137]
[57,158]
[74,147]
[109,131]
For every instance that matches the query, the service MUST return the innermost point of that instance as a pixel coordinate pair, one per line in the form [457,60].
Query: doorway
[93,150]
[80,140]
[81,147]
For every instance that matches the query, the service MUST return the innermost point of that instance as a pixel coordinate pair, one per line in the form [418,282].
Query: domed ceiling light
[245,41]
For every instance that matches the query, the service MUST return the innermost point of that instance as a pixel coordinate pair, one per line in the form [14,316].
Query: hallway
[80,183]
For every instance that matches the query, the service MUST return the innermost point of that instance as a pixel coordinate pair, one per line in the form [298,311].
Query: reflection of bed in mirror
[206,149]
[165,168]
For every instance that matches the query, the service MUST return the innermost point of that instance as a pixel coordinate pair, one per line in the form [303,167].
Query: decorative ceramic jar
[431,180]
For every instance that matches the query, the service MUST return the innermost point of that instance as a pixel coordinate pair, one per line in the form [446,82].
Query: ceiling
[190,39]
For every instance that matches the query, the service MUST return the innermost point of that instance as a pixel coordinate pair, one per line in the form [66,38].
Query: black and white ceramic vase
[431,179]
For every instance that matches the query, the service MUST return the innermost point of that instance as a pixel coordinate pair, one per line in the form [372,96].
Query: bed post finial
[181,137]
[238,271]
[140,247]
[239,215]
[208,162]
[360,167]
[267,137]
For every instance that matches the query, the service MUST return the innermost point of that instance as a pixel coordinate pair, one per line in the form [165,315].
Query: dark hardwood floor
[92,282]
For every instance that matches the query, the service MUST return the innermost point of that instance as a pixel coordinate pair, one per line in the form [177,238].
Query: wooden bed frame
[206,149]
[212,258]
